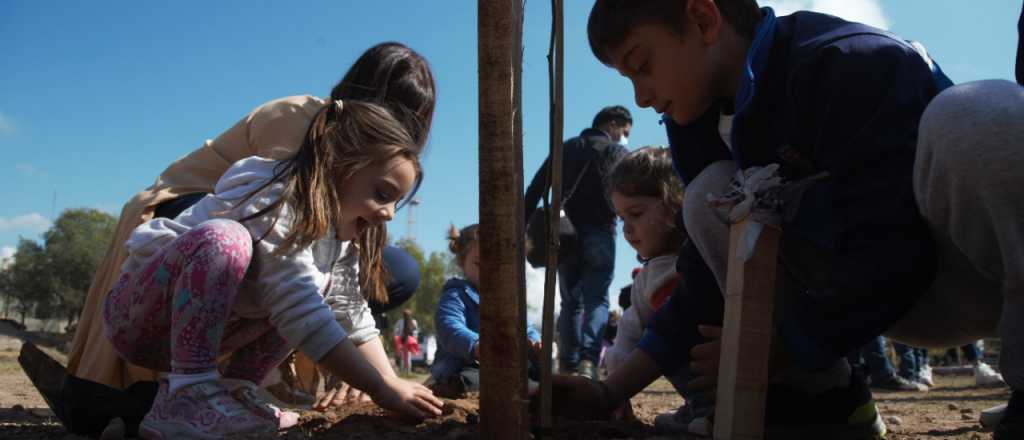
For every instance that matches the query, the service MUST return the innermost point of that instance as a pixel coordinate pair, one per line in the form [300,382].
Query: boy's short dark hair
[611,20]
[616,113]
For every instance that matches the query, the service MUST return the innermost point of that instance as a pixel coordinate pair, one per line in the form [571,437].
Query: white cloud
[865,11]
[29,170]
[6,125]
[31,222]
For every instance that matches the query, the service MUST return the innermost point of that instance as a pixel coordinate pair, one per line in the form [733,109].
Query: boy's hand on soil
[340,394]
[704,361]
[408,398]
[536,348]
[580,398]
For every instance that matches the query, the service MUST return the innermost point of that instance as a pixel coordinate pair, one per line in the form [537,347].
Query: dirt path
[949,412]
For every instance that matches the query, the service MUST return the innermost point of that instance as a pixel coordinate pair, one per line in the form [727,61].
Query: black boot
[846,413]
[1011,427]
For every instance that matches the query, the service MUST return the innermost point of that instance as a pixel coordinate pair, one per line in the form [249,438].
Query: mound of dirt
[365,421]
[368,421]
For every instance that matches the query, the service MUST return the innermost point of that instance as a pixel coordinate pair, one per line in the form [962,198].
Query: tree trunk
[503,345]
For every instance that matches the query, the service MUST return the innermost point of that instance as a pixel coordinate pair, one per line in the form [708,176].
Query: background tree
[435,269]
[50,280]
[26,281]
[74,246]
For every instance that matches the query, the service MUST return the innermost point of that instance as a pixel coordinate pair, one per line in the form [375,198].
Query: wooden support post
[555,71]
[746,337]
[503,348]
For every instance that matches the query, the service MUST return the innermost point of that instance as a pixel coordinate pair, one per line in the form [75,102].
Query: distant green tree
[27,280]
[50,280]
[435,269]
[75,245]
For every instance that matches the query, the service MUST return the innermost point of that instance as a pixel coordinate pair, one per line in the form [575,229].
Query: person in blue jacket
[456,367]
[913,213]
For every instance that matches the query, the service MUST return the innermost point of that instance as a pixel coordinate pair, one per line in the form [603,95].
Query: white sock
[176,381]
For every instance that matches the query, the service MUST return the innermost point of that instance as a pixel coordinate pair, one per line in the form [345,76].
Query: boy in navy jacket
[906,222]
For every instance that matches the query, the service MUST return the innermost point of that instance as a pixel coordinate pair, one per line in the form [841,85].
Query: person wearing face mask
[585,272]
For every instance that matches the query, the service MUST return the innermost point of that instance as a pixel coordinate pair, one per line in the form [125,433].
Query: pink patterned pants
[175,313]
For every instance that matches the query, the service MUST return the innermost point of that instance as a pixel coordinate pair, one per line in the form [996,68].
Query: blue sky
[96,98]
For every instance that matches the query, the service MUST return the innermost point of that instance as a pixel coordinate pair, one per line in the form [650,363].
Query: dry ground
[950,412]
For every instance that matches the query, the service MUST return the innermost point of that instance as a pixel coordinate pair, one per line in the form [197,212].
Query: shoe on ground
[1011,427]
[204,410]
[927,377]
[986,376]
[992,416]
[679,421]
[249,395]
[897,383]
[842,413]
[587,369]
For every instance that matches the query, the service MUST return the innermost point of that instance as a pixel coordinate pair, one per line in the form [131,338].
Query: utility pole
[413,203]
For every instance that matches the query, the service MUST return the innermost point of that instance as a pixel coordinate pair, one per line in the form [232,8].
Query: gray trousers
[969,186]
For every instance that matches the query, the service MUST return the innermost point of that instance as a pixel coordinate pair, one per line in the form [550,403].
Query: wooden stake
[503,403]
[555,71]
[746,337]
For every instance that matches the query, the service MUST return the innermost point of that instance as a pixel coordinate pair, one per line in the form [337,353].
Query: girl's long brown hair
[341,140]
[399,78]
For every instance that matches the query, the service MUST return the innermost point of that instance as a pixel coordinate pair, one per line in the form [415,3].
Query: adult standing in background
[586,271]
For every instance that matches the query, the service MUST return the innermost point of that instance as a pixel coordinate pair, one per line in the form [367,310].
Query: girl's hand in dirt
[340,394]
[704,361]
[407,398]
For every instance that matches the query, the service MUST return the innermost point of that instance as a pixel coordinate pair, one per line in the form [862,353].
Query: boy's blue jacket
[822,94]
[457,322]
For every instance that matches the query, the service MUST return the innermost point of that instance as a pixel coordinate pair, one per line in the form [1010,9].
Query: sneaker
[248,394]
[587,369]
[986,376]
[926,376]
[1011,427]
[846,413]
[991,417]
[679,421]
[897,383]
[204,411]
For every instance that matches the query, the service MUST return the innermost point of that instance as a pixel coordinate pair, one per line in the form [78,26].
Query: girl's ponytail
[460,240]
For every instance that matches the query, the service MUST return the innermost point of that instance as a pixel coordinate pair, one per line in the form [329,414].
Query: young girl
[646,194]
[456,367]
[406,345]
[390,74]
[254,270]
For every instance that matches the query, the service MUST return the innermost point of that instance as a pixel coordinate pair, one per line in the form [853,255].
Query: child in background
[456,368]
[611,328]
[407,331]
[252,271]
